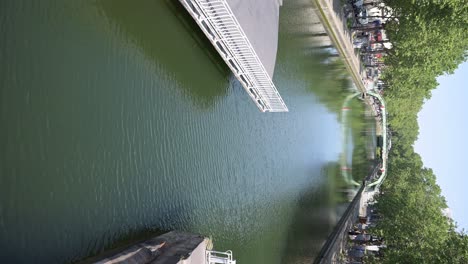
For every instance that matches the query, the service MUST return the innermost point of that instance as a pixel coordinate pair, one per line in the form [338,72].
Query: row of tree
[429,39]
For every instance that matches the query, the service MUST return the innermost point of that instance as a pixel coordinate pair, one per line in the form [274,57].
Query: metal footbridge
[217,21]
[345,169]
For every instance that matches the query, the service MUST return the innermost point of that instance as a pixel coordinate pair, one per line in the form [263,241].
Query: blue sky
[443,140]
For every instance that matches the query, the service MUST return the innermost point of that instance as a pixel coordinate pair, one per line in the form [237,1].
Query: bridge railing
[219,24]
[346,175]
[376,184]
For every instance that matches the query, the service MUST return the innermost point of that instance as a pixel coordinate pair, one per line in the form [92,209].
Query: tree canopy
[429,38]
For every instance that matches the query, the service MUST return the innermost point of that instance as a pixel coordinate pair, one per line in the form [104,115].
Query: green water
[119,117]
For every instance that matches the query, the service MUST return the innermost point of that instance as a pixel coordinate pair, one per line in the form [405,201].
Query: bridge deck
[220,25]
[343,160]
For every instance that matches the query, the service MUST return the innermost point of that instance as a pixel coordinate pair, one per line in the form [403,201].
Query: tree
[429,39]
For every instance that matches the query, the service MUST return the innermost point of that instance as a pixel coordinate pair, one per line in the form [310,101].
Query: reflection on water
[312,221]
[166,35]
[119,118]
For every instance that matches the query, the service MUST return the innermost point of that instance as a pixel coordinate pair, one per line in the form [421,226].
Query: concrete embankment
[170,248]
[260,21]
[333,19]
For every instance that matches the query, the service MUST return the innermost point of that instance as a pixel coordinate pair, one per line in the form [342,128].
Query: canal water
[118,117]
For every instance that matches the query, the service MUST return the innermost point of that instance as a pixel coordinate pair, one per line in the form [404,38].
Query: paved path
[331,14]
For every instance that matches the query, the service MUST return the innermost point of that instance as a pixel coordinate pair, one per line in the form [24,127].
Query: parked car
[362,16]
[360,42]
[380,85]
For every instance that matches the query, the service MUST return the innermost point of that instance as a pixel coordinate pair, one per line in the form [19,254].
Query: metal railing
[338,239]
[382,177]
[218,257]
[219,24]
[343,160]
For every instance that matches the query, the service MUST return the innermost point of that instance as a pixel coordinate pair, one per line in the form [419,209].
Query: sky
[443,140]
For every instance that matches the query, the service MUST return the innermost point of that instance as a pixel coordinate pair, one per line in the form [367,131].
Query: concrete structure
[383,124]
[245,33]
[259,20]
[332,17]
[171,248]
[380,125]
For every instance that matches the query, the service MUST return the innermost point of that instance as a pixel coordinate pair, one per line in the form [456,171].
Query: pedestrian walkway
[220,25]
[332,16]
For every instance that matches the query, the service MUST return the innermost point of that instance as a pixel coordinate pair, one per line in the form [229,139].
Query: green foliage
[429,39]
[413,225]
[349,23]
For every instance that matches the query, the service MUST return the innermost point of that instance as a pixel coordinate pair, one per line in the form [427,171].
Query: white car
[360,42]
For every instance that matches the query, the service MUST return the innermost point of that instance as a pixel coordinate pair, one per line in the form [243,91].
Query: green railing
[345,168]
